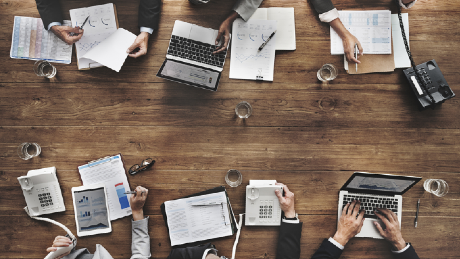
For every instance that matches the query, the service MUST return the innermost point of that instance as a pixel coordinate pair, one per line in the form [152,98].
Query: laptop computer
[189,59]
[375,191]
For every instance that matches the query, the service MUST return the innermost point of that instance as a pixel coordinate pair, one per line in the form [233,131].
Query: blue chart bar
[124,203]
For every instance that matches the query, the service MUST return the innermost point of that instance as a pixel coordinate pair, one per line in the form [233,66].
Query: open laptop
[189,59]
[375,191]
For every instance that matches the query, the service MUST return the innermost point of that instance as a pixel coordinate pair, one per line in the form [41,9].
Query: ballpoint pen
[356,56]
[265,43]
[416,214]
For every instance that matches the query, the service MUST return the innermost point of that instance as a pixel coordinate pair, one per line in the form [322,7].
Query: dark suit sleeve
[50,11]
[327,250]
[194,252]
[149,13]
[322,6]
[408,254]
[289,241]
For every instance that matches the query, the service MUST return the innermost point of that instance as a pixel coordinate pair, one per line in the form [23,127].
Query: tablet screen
[91,209]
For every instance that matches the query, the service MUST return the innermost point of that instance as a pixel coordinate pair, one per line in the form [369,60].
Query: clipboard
[115,180]
[210,191]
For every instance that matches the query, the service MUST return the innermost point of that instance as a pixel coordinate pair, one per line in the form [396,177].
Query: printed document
[284,17]
[372,28]
[246,61]
[32,41]
[109,171]
[188,223]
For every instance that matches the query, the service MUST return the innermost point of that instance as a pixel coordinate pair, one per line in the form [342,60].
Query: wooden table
[308,135]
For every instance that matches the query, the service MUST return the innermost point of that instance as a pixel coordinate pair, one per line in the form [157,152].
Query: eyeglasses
[146,164]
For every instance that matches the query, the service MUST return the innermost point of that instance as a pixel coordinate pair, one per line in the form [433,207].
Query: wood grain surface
[308,135]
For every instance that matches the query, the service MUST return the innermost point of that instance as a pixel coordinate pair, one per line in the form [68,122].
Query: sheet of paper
[32,41]
[111,52]
[372,28]
[246,61]
[189,223]
[401,58]
[109,171]
[100,25]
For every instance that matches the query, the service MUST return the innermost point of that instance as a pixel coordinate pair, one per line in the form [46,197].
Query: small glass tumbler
[27,150]
[437,187]
[233,178]
[44,68]
[243,110]
[327,72]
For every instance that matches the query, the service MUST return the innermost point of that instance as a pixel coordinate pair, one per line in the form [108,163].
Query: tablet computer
[91,210]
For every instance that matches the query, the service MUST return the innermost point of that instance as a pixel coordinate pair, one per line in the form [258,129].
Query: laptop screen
[380,183]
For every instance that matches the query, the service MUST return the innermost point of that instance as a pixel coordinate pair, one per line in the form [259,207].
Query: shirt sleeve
[147,29]
[140,244]
[337,244]
[407,6]
[53,24]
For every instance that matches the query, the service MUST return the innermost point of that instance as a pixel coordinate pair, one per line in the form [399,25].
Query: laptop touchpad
[202,34]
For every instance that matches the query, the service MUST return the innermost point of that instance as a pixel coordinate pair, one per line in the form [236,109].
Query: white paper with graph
[246,61]
[198,218]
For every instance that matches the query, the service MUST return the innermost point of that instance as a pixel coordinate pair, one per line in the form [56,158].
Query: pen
[416,214]
[265,43]
[356,55]
[132,192]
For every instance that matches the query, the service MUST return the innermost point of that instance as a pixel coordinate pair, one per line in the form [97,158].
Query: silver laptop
[375,191]
[189,59]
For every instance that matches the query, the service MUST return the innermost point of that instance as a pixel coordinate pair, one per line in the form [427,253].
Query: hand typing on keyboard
[350,223]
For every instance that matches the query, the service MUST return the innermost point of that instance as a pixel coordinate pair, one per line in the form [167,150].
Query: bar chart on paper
[246,61]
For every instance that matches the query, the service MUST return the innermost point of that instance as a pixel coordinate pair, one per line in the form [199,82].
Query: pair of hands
[351,221]
[137,202]
[71,35]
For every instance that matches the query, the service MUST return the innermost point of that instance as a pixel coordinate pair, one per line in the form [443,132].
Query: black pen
[265,43]
[416,214]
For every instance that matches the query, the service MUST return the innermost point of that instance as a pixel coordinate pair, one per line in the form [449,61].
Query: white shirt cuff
[409,5]
[209,251]
[337,244]
[402,250]
[52,24]
[147,29]
[291,221]
[329,16]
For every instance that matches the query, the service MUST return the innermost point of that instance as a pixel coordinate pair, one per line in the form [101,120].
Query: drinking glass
[243,110]
[44,68]
[437,187]
[233,178]
[28,150]
[327,72]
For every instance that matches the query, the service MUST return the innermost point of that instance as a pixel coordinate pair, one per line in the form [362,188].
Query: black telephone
[427,82]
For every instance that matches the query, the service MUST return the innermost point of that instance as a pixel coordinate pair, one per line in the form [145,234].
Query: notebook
[284,17]
[201,216]
[189,59]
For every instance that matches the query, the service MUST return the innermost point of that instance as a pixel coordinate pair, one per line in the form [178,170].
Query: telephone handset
[262,205]
[42,192]
[426,80]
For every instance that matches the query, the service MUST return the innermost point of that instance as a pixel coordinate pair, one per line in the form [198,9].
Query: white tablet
[91,210]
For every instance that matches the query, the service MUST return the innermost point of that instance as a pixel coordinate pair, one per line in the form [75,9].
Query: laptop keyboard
[196,51]
[368,203]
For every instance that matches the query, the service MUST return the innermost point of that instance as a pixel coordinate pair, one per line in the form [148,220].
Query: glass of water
[437,187]
[243,110]
[28,150]
[233,178]
[44,68]
[327,72]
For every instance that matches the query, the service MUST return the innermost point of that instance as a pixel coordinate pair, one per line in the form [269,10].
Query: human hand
[137,202]
[392,233]
[349,226]
[68,34]
[59,241]
[140,45]
[349,42]
[286,202]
